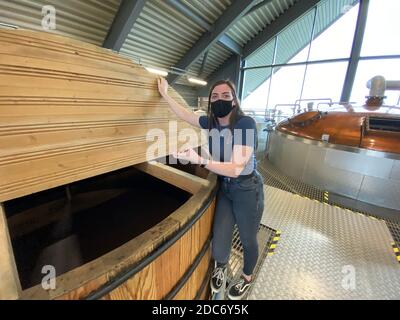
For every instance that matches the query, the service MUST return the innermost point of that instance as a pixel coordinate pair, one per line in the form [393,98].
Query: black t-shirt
[221,140]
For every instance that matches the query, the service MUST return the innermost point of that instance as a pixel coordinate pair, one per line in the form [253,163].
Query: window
[367,69]
[294,41]
[381,32]
[263,56]
[256,88]
[318,70]
[334,38]
[325,80]
[286,85]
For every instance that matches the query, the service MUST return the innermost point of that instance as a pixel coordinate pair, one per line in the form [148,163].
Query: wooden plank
[26,172]
[10,287]
[69,111]
[39,137]
[161,276]
[189,290]
[181,179]
[13,62]
[55,42]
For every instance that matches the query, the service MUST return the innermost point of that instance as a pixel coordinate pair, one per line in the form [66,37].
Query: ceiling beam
[230,69]
[230,44]
[258,6]
[128,12]
[226,41]
[271,30]
[203,64]
[355,51]
[231,15]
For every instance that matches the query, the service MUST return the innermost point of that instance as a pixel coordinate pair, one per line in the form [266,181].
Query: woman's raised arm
[182,112]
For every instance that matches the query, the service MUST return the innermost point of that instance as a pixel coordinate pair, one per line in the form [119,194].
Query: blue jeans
[240,202]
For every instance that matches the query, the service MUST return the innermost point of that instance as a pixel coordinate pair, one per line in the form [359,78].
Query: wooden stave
[116,68]
[30,140]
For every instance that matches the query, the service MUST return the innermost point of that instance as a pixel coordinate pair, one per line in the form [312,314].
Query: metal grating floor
[235,266]
[325,252]
[264,236]
[274,178]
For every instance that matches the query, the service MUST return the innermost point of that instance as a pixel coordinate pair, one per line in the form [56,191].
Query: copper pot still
[372,126]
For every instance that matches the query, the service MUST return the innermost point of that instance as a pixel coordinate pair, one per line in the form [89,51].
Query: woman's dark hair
[236,111]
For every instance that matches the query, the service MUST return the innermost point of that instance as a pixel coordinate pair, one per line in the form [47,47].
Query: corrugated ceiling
[161,35]
[160,26]
[88,21]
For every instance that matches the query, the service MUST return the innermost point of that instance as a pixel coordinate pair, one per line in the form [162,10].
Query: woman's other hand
[162,86]
[188,155]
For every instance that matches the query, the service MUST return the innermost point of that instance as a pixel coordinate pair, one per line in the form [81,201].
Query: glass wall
[293,43]
[309,59]
[380,52]
[324,80]
[333,39]
[381,32]
[256,89]
[286,84]
[389,68]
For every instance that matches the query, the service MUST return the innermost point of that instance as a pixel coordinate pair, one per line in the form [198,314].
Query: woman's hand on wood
[162,86]
[182,112]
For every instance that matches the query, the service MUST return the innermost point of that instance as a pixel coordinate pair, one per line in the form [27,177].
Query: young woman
[240,199]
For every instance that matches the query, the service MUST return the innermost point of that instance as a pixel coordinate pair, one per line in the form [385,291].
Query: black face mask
[221,108]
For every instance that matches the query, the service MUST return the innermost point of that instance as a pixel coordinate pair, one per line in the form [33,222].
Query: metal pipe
[378,85]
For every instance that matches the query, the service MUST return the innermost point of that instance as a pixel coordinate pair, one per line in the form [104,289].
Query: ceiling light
[157,71]
[197,81]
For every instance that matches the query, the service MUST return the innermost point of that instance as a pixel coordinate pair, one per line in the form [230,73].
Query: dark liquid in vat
[104,212]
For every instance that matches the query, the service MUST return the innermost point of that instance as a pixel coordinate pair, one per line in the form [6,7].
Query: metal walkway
[274,178]
[265,236]
[325,252]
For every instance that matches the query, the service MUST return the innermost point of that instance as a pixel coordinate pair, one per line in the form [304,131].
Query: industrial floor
[315,245]
[324,251]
